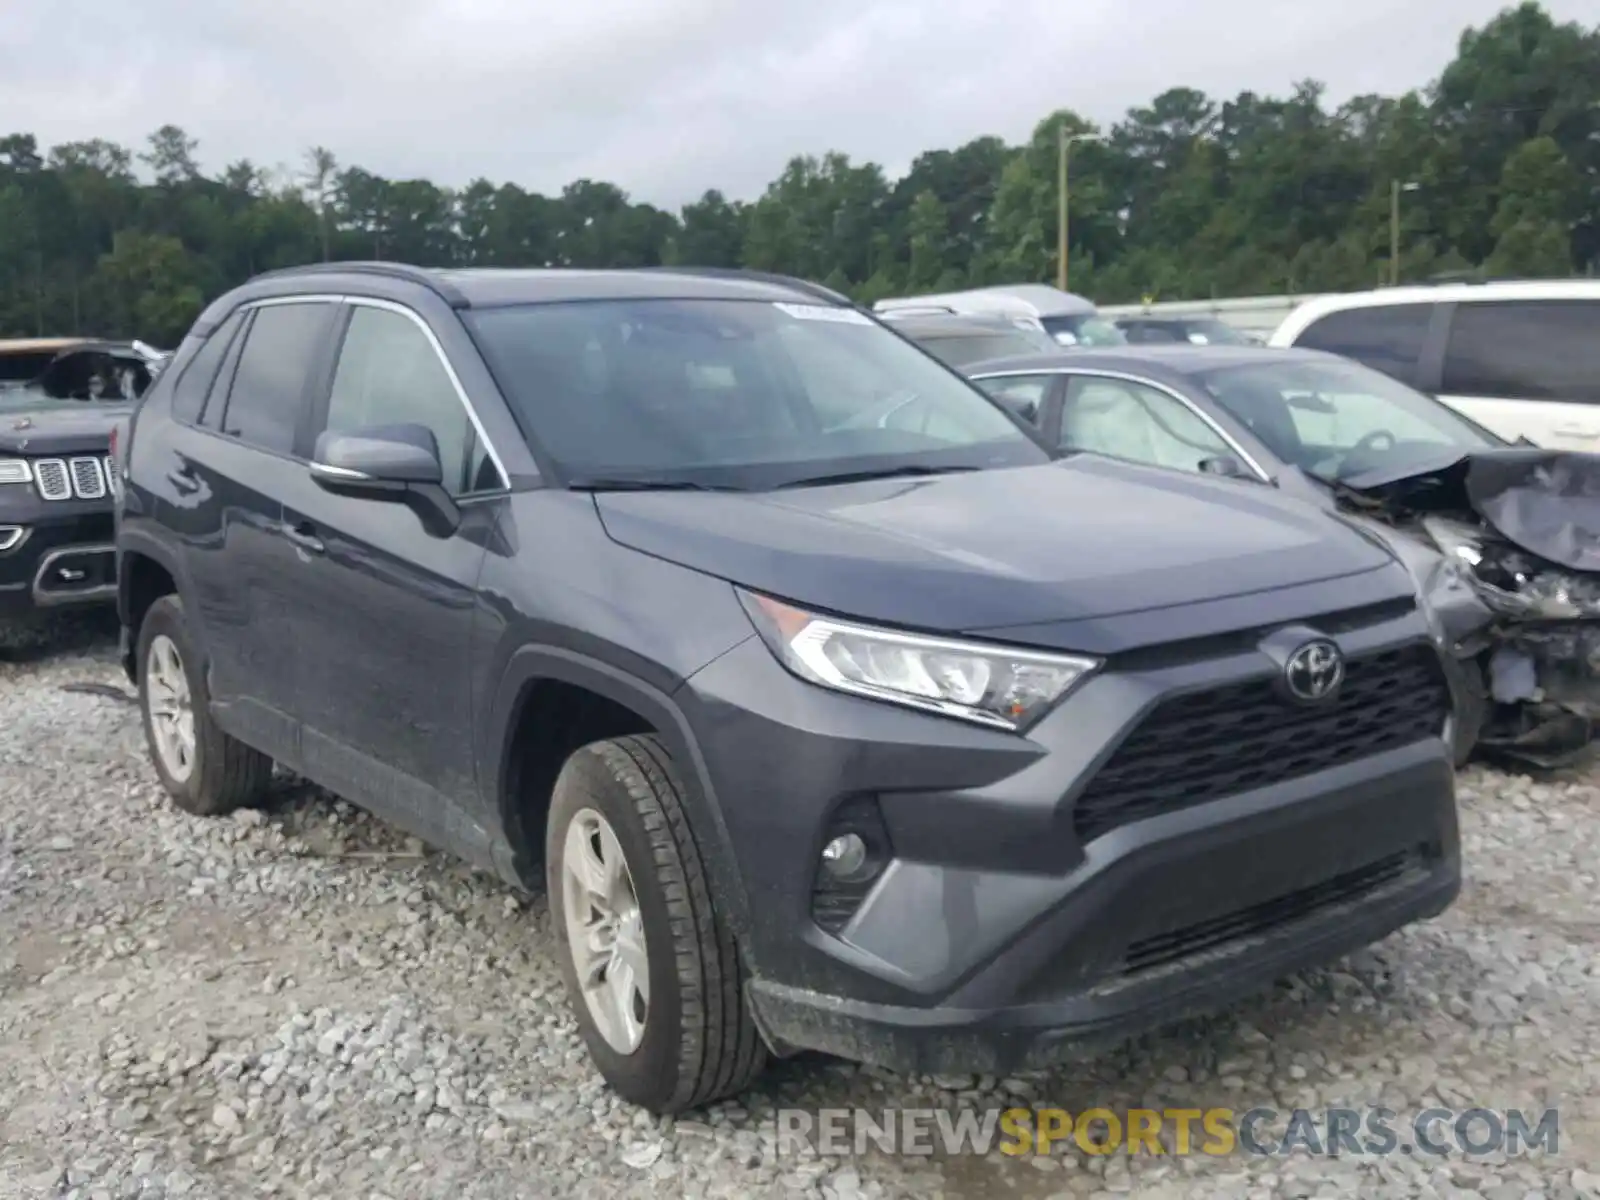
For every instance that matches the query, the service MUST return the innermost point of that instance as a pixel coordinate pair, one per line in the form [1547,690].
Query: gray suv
[830,711]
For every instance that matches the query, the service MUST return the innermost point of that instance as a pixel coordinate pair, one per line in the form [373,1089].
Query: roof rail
[447,292]
[800,285]
[917,310]
[1476,275]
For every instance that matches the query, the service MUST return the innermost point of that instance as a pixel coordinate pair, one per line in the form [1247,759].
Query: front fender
[534,663]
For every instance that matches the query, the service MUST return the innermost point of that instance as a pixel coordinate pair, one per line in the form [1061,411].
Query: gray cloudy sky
[669,97]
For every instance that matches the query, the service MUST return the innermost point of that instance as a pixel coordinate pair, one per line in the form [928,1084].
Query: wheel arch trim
[533,664]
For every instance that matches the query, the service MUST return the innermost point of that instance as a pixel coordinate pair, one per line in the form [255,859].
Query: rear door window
[1525,350]
[268,394]
[1386,337]
[194,385]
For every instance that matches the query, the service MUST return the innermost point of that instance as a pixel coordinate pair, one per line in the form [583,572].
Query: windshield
[968,348]
[1337,420]
[22,366]
[1216,333]
[735,393]
[1084,329]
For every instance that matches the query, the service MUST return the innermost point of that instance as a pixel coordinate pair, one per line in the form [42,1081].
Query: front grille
[1218,933]
[88,479]
[63,479]
[1206,745]
[54,482]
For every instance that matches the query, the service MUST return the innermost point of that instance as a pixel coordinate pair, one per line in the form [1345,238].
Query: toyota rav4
[829,711]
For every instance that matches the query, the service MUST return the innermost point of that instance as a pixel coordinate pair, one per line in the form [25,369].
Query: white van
[1522,359]
[1070,319]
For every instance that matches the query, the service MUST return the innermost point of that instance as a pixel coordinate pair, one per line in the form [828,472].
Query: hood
[1546,502]
[1082,538]
[31,423]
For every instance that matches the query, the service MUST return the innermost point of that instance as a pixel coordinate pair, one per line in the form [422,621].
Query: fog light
[844,857]
[855,851]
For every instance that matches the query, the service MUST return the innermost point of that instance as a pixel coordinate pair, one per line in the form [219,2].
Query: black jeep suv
[832,712]
[59,401]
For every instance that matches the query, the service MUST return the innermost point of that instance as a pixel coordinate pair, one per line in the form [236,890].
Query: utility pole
[1395,188]
[1064,152]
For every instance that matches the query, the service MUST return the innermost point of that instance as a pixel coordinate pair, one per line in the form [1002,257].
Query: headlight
[15,470]
[991,685]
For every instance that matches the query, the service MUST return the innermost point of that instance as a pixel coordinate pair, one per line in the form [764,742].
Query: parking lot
[299,1002]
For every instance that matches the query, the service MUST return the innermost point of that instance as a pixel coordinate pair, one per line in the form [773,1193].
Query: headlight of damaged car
[990,685]
[15,470]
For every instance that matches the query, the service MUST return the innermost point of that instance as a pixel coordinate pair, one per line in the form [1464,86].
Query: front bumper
[63,559]
[999,928]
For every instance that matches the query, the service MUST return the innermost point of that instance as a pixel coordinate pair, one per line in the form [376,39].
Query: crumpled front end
[1510,569]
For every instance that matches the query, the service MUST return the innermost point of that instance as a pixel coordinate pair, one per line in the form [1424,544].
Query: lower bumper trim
[944,1040]
[76,575]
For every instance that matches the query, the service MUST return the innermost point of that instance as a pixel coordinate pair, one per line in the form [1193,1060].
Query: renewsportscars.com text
[1215,1132]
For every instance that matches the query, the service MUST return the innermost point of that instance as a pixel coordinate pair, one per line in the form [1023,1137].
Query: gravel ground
[300,1002]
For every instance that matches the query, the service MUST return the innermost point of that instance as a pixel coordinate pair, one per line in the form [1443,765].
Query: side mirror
[1227,466]
[388,462]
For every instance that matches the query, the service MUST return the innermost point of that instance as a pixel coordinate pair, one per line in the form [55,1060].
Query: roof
[1163,318]
[1175,361]
[953,325]
[1032,299]
[489,287]
[1438,293]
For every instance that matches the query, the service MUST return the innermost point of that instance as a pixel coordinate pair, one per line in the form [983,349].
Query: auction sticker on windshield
[822,312]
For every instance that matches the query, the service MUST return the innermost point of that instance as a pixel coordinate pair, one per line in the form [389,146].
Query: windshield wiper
[879,473]
[644,485]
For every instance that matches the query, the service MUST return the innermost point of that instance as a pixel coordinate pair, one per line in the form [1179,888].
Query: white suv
[1522,359]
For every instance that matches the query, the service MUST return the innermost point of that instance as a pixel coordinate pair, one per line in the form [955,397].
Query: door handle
[1577,431]
[301,536]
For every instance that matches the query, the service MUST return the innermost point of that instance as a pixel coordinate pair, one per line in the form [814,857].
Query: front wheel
[654,973]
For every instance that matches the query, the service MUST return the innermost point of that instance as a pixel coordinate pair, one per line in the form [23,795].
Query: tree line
[1496,165]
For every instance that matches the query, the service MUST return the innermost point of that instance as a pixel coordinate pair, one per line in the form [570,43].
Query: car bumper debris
[1510,570]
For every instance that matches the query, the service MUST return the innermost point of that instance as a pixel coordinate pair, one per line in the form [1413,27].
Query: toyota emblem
[1314,671]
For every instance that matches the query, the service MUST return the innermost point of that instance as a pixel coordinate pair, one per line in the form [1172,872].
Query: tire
[697,1042]
[221,773]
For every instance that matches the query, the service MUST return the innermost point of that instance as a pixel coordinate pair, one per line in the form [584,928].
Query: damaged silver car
[1503,539]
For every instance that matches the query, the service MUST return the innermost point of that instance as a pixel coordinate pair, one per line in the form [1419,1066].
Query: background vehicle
[831,711]
[957,340]
[1521,358]
[1499,557]
[1068,318]
[1194,331]
[59,400]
